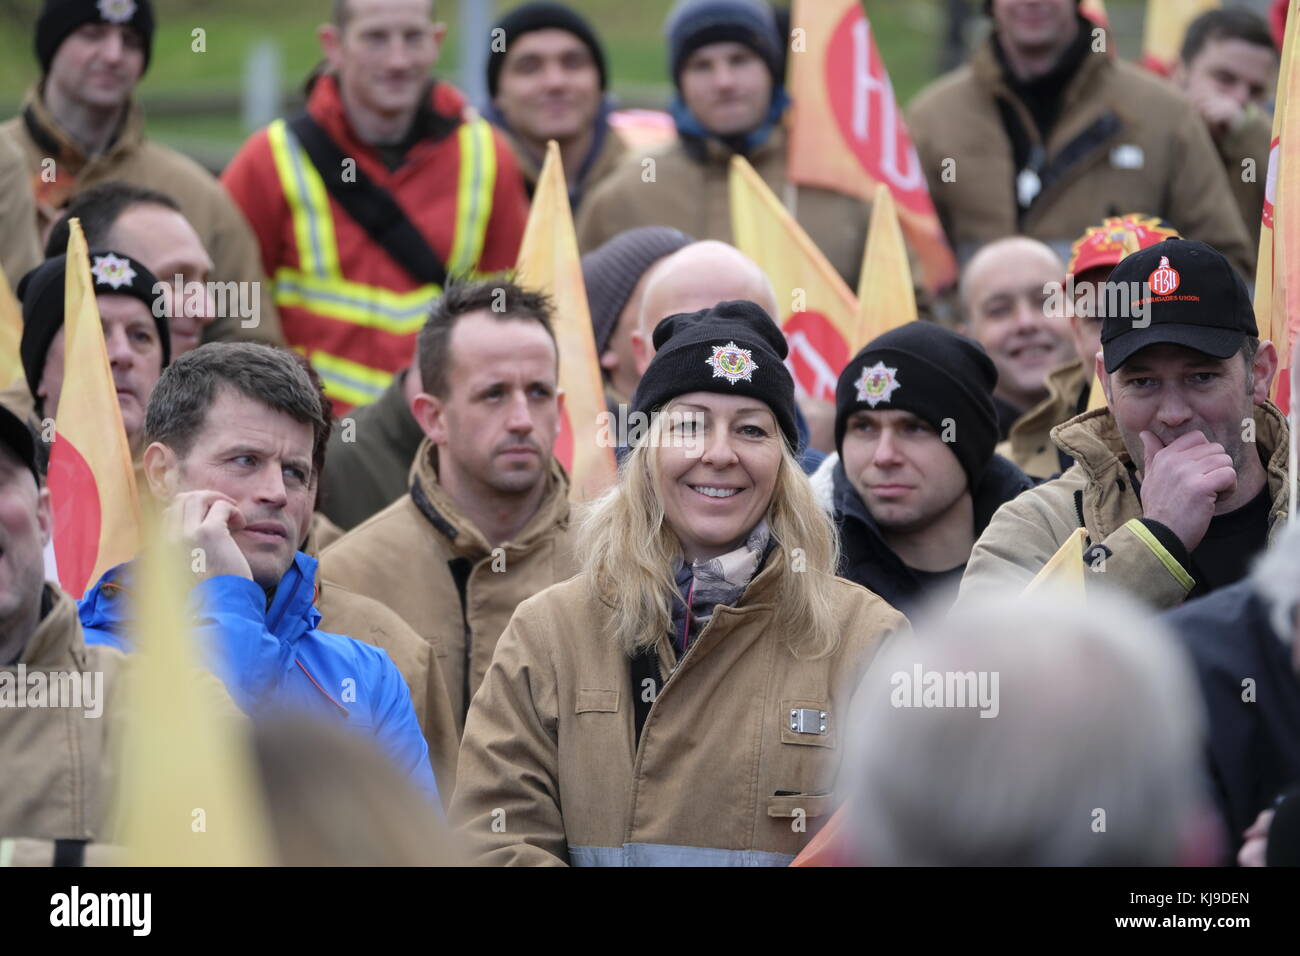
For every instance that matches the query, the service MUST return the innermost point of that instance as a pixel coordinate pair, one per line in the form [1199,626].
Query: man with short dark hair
[1045,132]
[1182,479]
[148,225]
[79,127]
[546,77]
[368,200]
[486,521]
[1227,68]
[231,431]
[136,337]
[916,480]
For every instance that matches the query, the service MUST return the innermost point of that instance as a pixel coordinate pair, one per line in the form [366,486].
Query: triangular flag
[847,132]
[886,298]
[1064,569]
[548,261]
[189,794]
[91,478]
[11,336]
[826,848]
[1162,33]
[1277,272]
[822,322]
[1095,10]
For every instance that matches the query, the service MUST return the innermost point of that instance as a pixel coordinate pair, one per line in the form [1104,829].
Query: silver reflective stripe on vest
[663,854]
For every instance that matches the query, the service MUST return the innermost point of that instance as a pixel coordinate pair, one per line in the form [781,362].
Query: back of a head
[1043,731]
[701,275]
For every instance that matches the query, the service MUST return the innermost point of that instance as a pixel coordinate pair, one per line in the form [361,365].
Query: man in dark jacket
[917,479]
[1242,640]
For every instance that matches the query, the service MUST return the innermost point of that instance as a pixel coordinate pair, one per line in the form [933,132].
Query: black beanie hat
[733,348]
[60,17]
[611,271]
[933,373]
[540,15]
[41,292]
[692,24]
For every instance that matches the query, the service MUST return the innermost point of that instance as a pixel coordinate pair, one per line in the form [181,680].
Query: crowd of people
[786,616]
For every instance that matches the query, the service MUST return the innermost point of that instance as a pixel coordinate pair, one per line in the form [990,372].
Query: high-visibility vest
[319,287]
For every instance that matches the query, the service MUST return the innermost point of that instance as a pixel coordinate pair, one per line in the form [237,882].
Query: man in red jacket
[368,201]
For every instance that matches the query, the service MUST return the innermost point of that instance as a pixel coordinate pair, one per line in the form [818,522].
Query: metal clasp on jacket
[806,720]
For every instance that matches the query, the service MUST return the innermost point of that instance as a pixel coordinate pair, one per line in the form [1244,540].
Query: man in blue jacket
[230,433]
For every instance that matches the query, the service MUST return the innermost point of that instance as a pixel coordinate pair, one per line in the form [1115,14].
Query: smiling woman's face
[716,469]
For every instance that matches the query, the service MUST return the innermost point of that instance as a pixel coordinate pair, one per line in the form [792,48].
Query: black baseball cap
[1192,297]
[16,435]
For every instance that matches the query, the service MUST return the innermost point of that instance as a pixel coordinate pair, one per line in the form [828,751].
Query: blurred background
[259,52]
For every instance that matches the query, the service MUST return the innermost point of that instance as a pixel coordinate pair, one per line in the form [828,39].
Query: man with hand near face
[1182,479]
[231,429]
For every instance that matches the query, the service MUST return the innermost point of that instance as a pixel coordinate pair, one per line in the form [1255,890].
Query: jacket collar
[1065,384]
[605,149]
[1094,441]
[463,537]
[713,151]
[58,635]
[55,141]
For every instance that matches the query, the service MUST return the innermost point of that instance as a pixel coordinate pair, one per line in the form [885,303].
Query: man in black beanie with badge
[1182,479]
[547,80]
[135,334]
[917,479]
[726,63]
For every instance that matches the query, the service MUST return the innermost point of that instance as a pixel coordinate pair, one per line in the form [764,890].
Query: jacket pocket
[803,723]
[597,702]
[788,806]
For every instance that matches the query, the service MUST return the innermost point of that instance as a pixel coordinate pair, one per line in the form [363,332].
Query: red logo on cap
[1164,280]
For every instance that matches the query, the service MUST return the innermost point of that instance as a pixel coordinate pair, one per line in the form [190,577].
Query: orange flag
[847,133]
[886,298]
[548,261]
[822,323]
[826,848]
[11,336]
[91,478]
[1162,34]
[1095,10]
[1277,273]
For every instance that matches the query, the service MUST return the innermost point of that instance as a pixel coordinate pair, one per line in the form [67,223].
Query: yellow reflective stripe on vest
[313,222]
[401,313]
[348,381]
[478,173]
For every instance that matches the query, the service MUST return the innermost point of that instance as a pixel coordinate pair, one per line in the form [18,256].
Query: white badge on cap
[117,11]
[732,362]
[113,271]
[876,384]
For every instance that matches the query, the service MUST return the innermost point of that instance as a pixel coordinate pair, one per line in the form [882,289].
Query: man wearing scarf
[727,67]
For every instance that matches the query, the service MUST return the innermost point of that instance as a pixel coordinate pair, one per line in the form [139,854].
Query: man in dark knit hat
[616,277]
[725,60]
[917,480]
[79,126]
[135,334]
[1182,479]
[547,79]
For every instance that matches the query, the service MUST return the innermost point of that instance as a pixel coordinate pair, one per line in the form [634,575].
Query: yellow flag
[886,298]
[819,314]
[1064,569]
[91,477]
[548,261]
[1162,34]
[11,336]
[1277,272]
[189,794]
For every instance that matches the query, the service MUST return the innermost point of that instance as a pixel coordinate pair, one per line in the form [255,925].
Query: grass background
[192,98]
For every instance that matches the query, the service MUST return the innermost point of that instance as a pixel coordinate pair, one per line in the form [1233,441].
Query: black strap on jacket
[373,207]
[645,666]
[69,852]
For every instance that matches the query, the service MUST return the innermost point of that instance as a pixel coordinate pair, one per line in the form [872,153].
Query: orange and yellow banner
[548,261]
[1277,273]
[1095,10]
[1162,34]
[847,132]
[819,314]
[91,478]
[886,298]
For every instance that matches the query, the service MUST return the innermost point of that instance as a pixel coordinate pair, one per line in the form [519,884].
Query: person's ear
[609,360]
[331,43]
[161,471]
[641,353]
[1099,370]
[1262,371]
[44,515]
[431,415]
[439,35]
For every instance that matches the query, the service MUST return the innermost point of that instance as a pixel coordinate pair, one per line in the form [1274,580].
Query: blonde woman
[681,700]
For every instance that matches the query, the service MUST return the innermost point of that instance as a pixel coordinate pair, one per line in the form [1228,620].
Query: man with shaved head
[1006,301]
